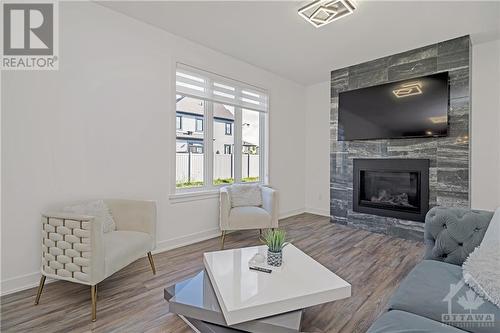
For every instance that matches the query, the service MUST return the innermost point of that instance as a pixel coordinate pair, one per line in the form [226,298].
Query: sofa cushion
[481,270]
[451,234]
[403,322]
[123,247]
[432,287]
[249,217]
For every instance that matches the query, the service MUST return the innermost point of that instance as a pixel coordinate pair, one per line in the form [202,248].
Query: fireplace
[391,187]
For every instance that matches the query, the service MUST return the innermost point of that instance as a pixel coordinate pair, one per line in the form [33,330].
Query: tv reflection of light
[438,120]
[408,89]
[428,132]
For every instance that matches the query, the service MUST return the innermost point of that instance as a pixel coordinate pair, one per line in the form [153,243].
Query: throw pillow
[481,269]
[245,195]
[97,208]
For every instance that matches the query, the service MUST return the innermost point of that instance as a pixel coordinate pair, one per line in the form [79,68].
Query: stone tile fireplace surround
[448,156]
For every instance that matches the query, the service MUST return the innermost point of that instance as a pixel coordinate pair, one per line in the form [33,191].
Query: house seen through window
[219,136]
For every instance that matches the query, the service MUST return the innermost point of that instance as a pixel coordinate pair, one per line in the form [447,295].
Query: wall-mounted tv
[411,108]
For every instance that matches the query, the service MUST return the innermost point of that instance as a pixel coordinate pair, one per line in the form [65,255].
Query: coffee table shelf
[194,300]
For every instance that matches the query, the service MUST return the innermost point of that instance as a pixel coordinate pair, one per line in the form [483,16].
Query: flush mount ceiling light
[408,89]
[322,12]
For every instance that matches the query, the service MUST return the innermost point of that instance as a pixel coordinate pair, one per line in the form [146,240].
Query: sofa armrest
[224,208]
[270,202]
[72,247]
[451,234]
[134,215]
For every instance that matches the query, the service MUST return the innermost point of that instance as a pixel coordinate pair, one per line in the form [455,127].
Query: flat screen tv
[404,109]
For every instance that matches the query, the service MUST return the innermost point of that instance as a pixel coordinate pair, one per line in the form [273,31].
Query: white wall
[485,137]
[485,134]
[318,148]
[102,126]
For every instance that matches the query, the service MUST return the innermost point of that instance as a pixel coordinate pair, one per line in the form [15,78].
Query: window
[190,157]
[250,138]
[228,129]
[196,148]
[199,125]
[223,163]
[224,126]
[178,122]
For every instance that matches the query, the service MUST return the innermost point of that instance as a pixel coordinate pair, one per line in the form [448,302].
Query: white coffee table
[245,294]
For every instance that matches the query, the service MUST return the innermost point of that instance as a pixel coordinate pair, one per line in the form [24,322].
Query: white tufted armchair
[75,248]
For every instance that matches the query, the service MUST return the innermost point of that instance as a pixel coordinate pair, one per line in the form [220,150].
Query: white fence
[250,166]
[189,166]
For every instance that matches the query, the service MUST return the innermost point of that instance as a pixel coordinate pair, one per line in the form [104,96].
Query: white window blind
[197,83]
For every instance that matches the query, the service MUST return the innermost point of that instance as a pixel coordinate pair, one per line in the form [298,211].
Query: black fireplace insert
[392,187]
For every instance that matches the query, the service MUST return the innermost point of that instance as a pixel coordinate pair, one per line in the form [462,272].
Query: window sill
[186,196]
[195,194]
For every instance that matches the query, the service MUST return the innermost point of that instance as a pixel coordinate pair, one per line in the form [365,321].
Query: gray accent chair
[426,294]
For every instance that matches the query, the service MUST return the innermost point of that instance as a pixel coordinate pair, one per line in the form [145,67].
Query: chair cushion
[249,218]
[245,195]
[403,322]
[427,288]
[97,208]
[124,247]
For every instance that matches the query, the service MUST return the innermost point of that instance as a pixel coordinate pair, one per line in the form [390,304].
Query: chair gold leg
[40,288]
[223,236]
[93,294]
[152,263]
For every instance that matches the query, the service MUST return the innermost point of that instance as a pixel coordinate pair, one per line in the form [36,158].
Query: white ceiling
[271,35]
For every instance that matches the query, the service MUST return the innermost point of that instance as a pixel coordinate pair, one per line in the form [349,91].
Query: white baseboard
[293,212]
[196,237]
[318,211]
[22,282]
[170,244]
[31,280]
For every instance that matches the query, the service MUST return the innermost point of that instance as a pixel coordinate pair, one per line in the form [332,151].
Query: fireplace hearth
[391,187]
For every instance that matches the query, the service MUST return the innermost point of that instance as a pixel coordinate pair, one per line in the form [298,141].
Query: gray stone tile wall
[449,156]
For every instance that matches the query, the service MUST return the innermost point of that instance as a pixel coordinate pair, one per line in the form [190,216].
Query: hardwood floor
[132,299]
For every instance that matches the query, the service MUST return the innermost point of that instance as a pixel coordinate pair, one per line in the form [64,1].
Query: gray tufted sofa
[432,290]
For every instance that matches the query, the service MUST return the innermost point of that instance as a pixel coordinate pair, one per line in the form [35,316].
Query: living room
[361,138]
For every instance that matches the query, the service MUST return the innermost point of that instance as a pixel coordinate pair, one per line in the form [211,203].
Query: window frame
[180,121]
[196,120]
[209,189]
[230,127]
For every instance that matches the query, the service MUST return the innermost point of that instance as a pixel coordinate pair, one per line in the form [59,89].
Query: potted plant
[275,241]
